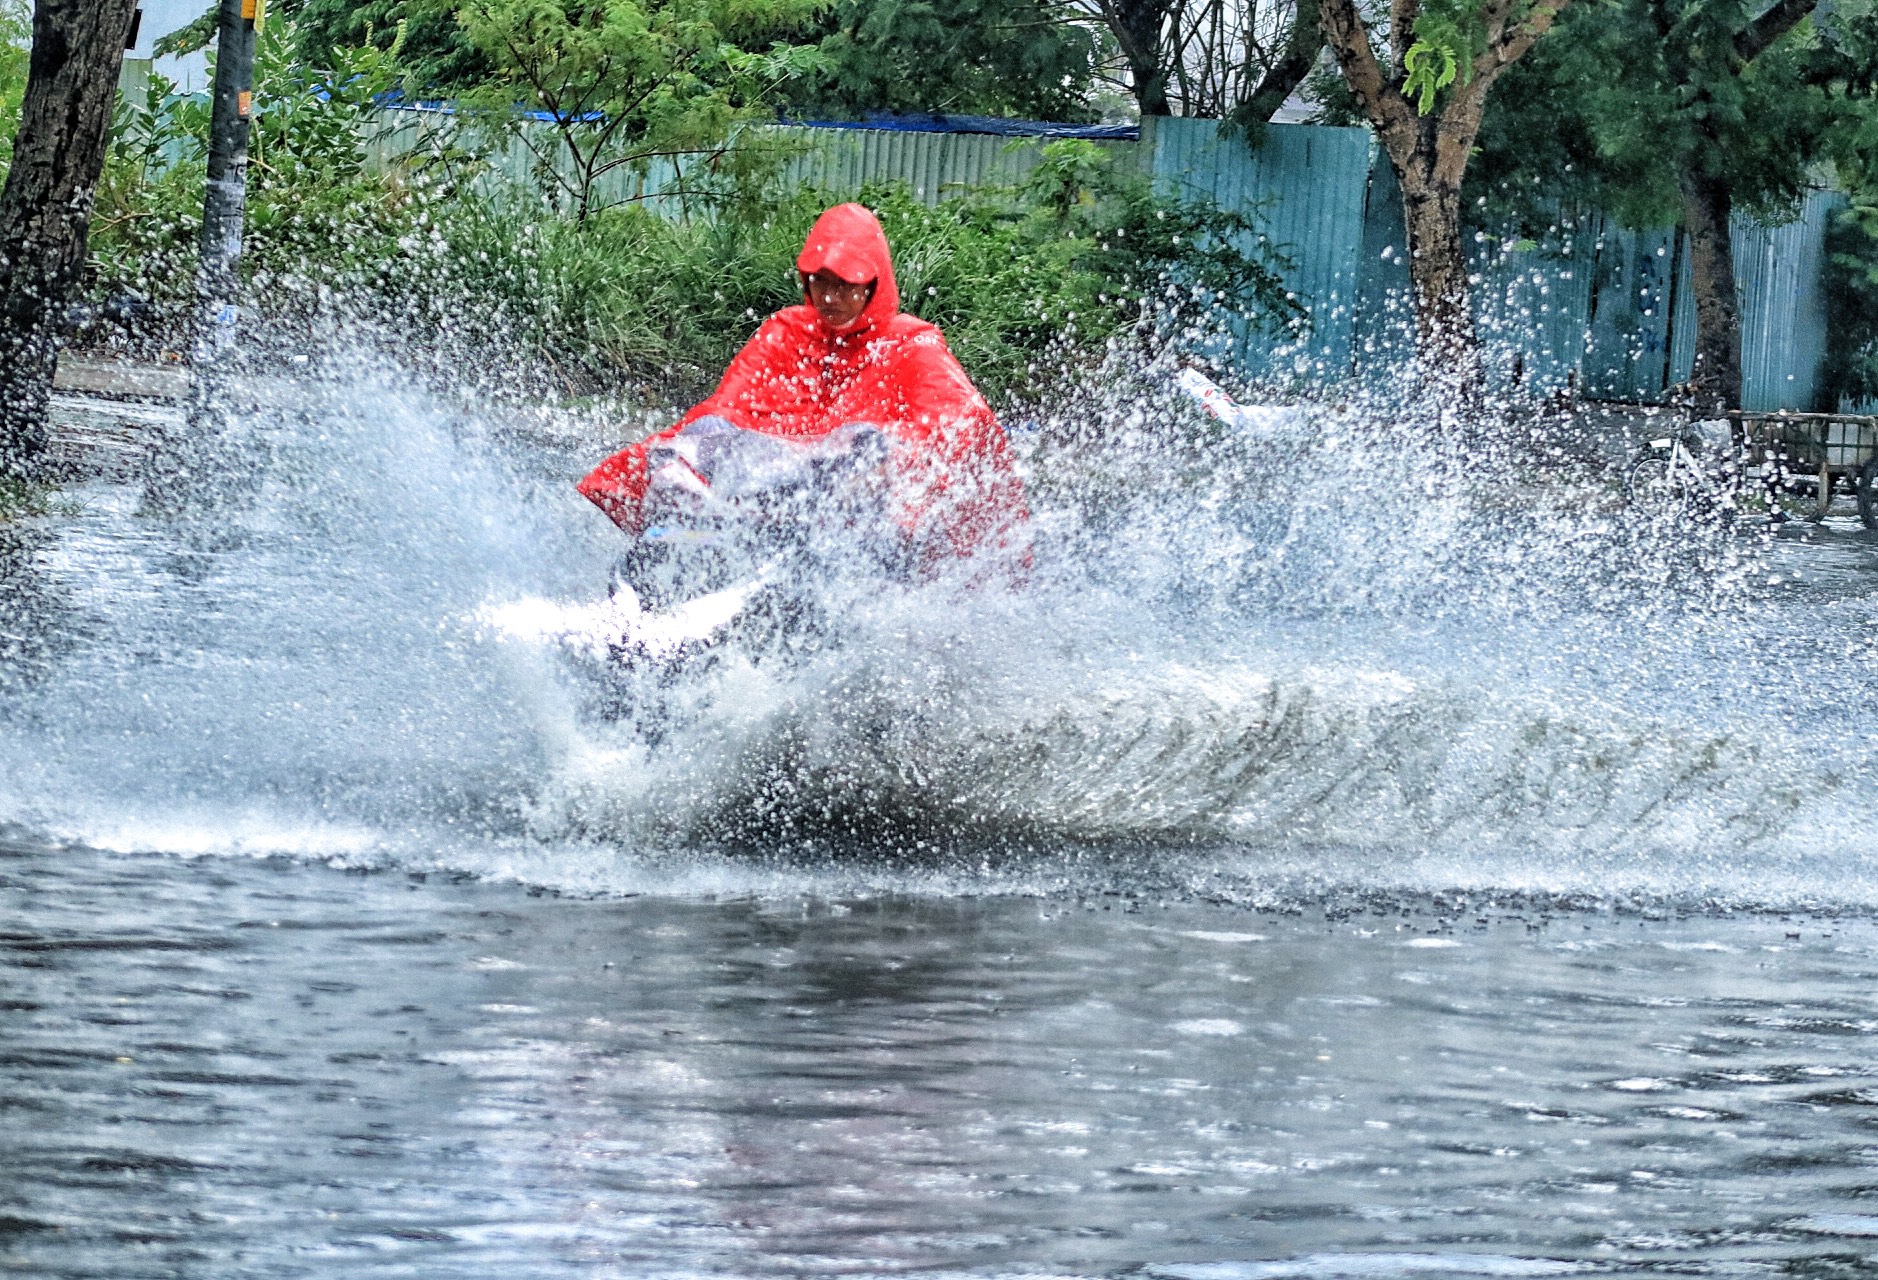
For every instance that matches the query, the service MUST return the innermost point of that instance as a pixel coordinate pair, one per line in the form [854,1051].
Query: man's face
[838,302]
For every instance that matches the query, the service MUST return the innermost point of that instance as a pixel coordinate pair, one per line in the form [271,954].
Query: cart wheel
[1868,492]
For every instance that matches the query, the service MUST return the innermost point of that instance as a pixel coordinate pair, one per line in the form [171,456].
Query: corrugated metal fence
[1308,187]
[1592,305]
[934,165]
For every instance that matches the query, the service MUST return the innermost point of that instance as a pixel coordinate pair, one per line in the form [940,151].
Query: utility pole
[225,203]
[180,462]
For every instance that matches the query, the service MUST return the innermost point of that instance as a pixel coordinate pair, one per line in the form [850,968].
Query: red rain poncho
[953,482]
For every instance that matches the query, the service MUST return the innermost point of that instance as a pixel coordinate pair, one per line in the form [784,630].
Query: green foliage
[1040,274]
[1449,35]
[437,55]
[634,84]
[1626,95]
[1844,65]
[21,499]
[1022,279]
[1080,253]
[16,34]
[318,212]
[148,208]
[198,35]
[1037,58]
[1429,69]
[977,57]
[1851,288]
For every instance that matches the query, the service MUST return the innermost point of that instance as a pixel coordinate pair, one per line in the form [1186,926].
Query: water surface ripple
[256,1068]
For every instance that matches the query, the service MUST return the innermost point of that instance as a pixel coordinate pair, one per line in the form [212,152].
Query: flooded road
[260,1068]
[1292,881]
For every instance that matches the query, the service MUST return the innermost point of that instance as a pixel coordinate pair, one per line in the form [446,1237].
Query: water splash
[1388,650]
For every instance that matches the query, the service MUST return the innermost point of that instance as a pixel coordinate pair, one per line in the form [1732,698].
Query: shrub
[1025,279]
[320,213]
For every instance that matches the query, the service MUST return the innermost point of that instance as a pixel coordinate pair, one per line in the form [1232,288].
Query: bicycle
[1693,474]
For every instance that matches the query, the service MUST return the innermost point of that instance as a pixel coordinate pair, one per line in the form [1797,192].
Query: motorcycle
[747,538]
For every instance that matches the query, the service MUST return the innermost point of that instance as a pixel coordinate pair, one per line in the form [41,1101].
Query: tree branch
[1770,26]
[1348,39]
[1511,42]
[1402,16]
[1283,76]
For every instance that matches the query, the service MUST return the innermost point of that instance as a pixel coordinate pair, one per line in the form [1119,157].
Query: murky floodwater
[1370,878]
[236,1067]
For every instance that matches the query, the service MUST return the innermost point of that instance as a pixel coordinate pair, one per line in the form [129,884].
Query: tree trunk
[1437,261]
[1136,25]
[1429,156]
[1429,153]
[45,211]
[1715,385]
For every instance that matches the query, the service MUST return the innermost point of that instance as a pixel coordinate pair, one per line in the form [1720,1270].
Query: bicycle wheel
[1868,492]
[1659,484]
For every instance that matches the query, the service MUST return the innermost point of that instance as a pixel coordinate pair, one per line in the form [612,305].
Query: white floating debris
[1209,1027]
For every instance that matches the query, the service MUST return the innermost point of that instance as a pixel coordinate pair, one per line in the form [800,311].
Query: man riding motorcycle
[845,366]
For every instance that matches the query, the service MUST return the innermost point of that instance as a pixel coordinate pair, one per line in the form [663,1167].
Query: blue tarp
[926,122]
[917,122]
[395,101]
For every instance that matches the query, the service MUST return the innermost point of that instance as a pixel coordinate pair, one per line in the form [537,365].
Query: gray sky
[160,17]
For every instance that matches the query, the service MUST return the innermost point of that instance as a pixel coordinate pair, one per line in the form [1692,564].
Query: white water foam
[1231,667]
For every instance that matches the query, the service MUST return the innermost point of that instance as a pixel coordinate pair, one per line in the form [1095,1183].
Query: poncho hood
[848,241]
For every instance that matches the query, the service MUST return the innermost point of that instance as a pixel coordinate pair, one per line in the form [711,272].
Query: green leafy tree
[1038,58]
[1666,112]
[436,53]
[1034,58]
[1424,96]
[637,86]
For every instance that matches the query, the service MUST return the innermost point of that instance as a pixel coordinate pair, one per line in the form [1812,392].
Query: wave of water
[1387,652]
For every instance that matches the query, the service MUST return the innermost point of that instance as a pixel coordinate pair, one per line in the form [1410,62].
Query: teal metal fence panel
[1384,326]
[1531,294]
[1636,279]
[933,165]
[1609,311]
[1530,302]
[1778,273]
[1306,185]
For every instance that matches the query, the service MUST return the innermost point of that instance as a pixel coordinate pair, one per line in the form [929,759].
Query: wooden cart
[1839,449]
